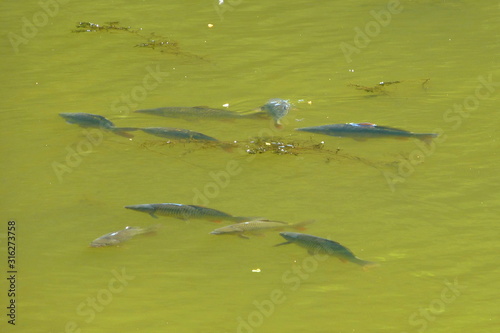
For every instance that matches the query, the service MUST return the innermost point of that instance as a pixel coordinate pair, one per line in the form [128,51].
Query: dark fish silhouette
[363,131]
[177,133]
[200,112]
[96,121]
[318,245]
[185,212]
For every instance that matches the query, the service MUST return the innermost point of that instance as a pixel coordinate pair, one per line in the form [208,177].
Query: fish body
[255,226]
[96,121]
[364,131]
[117,237]
[177,133]
[185,212]
[198,112]
[276,108]
[318,245]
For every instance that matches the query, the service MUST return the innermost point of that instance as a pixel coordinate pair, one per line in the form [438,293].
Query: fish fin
[127,129]
[122,131]
[278,125]
[426,138]
[311,252]
[124,134]
[285,243]
[243,236]
[153,215]
[343,260]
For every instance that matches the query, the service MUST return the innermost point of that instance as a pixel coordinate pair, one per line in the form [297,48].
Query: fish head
[290,236]
[104,241]
[227,230]
[86,119]
[145,208]
[277,108]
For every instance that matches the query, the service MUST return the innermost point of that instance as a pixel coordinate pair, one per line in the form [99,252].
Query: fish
[318,245]
[96,121]
[253,227]
[118,237]
[177,133]
[199,112]
[276,108]
[186,212]
[363,131]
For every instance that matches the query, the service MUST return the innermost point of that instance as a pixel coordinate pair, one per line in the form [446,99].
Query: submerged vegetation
[154,42]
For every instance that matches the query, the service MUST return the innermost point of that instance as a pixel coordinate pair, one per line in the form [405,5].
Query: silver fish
[277,108]
[255,226]
[120,236]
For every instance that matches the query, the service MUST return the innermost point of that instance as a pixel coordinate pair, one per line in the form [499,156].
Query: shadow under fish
[363,131]
[89,120]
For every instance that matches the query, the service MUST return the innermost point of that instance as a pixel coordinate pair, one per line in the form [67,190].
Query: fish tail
[257,114]
[367,264]
[152,229]
[122,131]
[302,225]
[426,137]
[285,243]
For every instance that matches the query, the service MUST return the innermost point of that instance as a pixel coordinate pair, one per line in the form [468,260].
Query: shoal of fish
[275,109]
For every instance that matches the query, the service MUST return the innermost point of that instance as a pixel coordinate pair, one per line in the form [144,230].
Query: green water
[428,214]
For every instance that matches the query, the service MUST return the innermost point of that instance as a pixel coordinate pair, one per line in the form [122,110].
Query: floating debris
[108,26]
[154,42]
[380,88]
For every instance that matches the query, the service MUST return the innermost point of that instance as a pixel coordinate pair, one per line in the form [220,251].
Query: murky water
[428,214]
